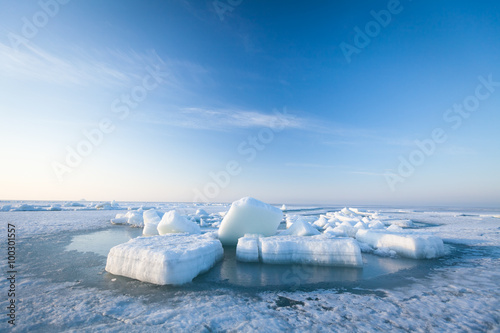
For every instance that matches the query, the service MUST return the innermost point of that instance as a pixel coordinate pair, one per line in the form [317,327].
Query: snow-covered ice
[416,246]
[247,216]
[170,259]
[457,293]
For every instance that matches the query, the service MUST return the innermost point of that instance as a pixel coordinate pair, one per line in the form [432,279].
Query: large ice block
[169,259]
[416,246]
[315,250]
[249,216]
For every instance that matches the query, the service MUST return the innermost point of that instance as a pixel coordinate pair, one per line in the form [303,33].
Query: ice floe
[315,250]
[416,246]
[168,259]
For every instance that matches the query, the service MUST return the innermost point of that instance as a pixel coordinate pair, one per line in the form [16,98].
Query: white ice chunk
[73,204]
[135,218]
[247,249]
[201,212]
[169,259]
[301,228]
[26,208]
[316,250]
[346,211]
[348,229]
[402,223]
[283,207]
[5,208]
[365,220]
[151,221]
[55,207]
[321,222]
[173,222]
[249,216]
[416,246]
[336,231]
[360,225]
[376,224]
[394,228]
[108,205]
[119,219]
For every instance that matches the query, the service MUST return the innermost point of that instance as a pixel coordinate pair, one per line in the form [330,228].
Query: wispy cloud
[35,64]
[223,119]
[108,68]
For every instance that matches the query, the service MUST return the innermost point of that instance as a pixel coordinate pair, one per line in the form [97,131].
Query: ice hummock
[316,250]
[300,228]
[151,220]
[416,246]
[249,216]
[169,259]
[132,217]
[173,222]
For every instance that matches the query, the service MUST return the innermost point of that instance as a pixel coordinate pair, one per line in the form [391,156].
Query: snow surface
[170,259]
[247,216]
[60,290]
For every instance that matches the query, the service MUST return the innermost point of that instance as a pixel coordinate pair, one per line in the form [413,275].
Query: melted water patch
[100,242]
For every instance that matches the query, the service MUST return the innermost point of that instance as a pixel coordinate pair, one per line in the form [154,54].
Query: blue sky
[267,87]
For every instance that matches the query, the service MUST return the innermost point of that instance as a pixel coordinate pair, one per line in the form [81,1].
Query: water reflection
[101,242]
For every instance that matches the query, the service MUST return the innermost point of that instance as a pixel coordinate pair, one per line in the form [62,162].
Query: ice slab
[170,259]
[316,250]
[247,249]
[173,222]
[249,216]
[416,246]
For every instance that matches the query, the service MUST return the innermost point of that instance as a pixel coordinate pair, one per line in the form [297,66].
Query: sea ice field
[419,269]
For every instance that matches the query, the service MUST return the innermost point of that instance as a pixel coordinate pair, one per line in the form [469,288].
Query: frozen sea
[61,284]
